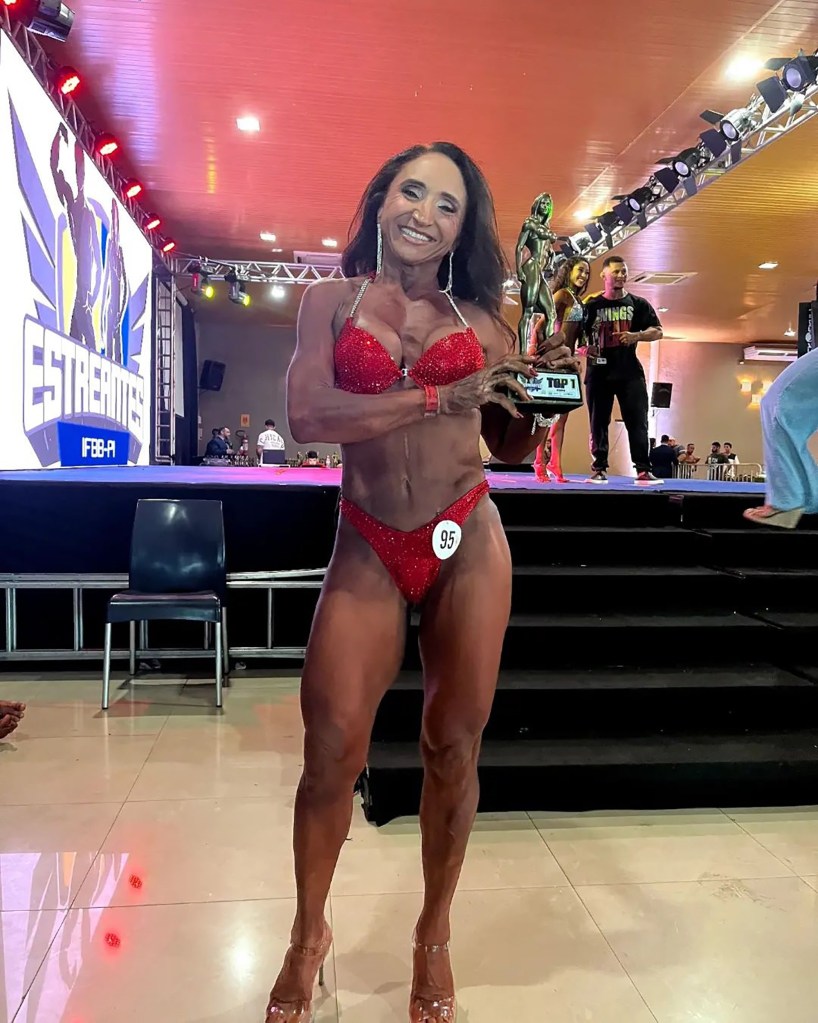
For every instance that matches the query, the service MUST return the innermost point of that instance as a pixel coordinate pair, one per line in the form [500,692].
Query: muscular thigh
[462,628]
[356,642]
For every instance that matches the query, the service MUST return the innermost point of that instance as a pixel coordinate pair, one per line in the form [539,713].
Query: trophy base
[552,393]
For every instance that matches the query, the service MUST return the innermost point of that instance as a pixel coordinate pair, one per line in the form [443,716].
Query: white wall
[257,358]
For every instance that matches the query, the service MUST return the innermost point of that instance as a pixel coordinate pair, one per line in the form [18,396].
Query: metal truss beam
[43,67]
[767,130]
[254,272]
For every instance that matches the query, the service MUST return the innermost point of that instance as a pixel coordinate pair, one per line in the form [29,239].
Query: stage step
[619,637]
[642,588]
[605,545]
[638,507]
[762,548]
[636,772]
[621,700]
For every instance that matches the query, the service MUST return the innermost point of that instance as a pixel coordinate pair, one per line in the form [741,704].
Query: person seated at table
[312,459]
[11,714]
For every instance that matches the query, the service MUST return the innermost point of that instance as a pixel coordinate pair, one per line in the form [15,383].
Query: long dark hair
[562,278]
[479,267]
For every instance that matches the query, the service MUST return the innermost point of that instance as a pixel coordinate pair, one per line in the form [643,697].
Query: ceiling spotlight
[267,236]
[799,73]
[773,93]
[50,18]
[133,188]
[622,211]
[662,309]
[329,243]
[168,246]
[107,145]
[714,141]
[789,332]
[688,161]
[237,292]
[200,281]
[733,125]
[249,124]
[67,80]
[580,242]
[608,221]
[640,197]
[667,178]
[278,292]
[769,265]
[152,222]
[582,214]
[594,232]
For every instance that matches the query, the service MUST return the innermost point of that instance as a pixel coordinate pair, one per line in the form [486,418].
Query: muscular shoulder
[329,294]
[495,340]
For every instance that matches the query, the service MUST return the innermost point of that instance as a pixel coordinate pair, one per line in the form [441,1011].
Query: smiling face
[579,276]
[423,210]
[615,275]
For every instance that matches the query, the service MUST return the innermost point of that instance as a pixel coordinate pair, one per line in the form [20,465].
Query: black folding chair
[177,573]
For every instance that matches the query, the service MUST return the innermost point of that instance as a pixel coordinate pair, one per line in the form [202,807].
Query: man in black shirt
[616,322]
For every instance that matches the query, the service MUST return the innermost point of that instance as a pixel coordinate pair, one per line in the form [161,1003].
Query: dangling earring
[448,289]
[379,254]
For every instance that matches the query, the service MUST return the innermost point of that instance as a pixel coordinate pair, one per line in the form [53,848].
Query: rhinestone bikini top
[364,366]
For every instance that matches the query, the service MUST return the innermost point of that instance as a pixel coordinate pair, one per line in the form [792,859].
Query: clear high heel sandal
[766,515]
[299,1010]
[431,1009]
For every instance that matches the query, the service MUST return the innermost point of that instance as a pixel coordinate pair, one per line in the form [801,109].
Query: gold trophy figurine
[552,392]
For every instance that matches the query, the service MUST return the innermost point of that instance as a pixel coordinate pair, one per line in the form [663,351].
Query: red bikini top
[364,366]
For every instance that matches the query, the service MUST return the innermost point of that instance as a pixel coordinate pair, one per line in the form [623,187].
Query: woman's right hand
[483,387]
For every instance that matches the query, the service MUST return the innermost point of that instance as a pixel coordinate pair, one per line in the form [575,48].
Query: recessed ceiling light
[769,265]
[662,309]
[278,292]
[789,332]
[248,124]
[743,68]
[276,250]
[583,215]
[267,236]
[329,243]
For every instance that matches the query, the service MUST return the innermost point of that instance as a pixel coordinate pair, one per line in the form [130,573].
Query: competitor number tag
[446,539]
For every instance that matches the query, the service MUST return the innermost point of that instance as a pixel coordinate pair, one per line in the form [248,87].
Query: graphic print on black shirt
[606,318]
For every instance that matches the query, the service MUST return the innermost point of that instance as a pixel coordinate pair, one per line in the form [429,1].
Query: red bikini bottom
[408,555]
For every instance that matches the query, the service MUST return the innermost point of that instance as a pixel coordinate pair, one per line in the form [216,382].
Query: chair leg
[132,649]
[225,643]
[106,668]
[218,645]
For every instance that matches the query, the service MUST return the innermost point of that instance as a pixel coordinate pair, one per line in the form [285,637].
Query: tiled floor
[146,875]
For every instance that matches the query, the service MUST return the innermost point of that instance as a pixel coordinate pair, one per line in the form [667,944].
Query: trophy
[552,391]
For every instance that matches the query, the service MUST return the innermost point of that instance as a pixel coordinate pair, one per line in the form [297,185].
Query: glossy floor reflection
[146,874]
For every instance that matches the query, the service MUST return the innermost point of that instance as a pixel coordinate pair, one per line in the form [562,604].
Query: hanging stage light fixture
[798,73]
[50,18]
[733,126]
[200,281]
[237,292]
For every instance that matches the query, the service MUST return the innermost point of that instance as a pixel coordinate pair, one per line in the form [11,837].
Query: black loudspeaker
[660,395]
[212,375]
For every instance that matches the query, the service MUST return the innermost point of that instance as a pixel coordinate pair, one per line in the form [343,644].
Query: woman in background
[789,425]
[569,285]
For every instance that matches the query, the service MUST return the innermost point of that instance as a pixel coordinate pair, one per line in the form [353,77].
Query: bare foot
[11,714]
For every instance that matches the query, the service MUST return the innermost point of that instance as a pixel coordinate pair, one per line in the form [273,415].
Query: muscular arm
[509,440]
[63,191]
[317,410]
[522,241]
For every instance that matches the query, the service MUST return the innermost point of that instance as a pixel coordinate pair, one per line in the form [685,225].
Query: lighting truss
[768,128]
[32,52]
[253,272]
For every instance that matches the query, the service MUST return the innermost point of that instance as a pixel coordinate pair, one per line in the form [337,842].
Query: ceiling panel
[580,99]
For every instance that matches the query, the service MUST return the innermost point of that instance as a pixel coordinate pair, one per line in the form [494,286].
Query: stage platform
[279,476]
[660,650]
